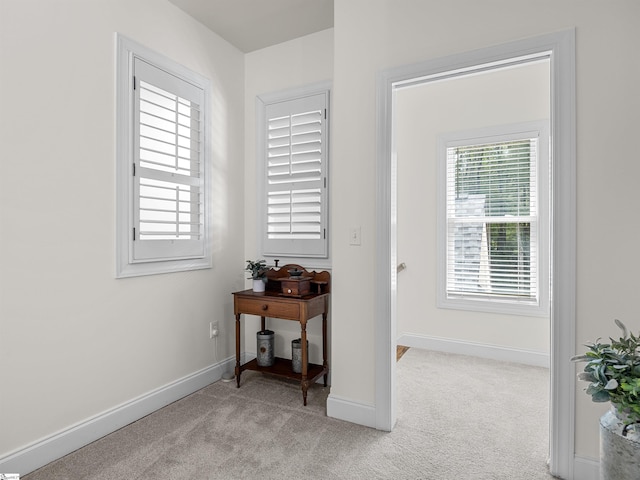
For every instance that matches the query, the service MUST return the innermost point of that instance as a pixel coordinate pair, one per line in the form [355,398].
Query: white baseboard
[585,468]
[461,347]
[44,451]
[350,411]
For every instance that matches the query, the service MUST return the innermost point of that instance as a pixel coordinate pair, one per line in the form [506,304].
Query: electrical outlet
[213,329]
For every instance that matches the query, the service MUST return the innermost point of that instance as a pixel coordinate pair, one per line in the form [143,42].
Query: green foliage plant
[258,269]
[613,372]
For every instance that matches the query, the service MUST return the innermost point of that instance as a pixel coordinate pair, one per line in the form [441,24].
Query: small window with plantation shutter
[295,177]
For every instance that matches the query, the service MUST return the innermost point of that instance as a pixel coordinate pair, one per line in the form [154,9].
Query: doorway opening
[559,48]
[474,243]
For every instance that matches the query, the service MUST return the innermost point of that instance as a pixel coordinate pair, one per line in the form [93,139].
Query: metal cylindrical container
[265,351]
[619,448]
[296,355]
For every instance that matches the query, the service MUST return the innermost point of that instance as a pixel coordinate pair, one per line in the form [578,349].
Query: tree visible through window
[491,212]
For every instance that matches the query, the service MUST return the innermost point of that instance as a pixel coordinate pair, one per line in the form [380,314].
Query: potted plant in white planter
[613,370]
[258,269]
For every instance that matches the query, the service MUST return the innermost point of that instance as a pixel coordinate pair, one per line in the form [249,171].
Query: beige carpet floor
[458,418]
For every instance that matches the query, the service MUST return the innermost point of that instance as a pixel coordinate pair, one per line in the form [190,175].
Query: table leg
[305,362]
[237,350]
[325,364]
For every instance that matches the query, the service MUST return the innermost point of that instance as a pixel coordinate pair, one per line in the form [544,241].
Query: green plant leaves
[613,370]
[258,268]
[612,384]
[587,377]
[601,396]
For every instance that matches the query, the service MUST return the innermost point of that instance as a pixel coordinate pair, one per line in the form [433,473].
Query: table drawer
[268,308]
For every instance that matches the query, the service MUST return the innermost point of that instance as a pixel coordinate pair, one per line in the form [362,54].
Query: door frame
[560,48]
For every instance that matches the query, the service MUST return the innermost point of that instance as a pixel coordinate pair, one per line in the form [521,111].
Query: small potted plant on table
[258,269]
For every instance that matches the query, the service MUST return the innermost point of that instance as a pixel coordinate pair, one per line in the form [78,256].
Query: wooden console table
[273,303]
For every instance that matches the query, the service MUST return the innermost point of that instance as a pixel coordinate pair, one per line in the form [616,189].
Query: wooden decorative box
[292,280]
[296,286]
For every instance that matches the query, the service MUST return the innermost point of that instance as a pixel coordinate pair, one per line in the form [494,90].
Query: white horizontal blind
[296,155]
[492,220]
[168,171]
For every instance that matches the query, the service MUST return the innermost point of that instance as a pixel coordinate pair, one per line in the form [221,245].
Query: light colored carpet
[459,418]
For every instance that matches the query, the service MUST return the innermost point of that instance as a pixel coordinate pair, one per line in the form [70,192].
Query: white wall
[305,61]
[422,113]
[373,35]
[75,341]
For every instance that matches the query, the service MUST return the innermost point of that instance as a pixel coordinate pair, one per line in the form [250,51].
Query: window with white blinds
[295,177]
[493,242]
[165,160]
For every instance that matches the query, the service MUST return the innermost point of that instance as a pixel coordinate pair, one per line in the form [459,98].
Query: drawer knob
[288,290]
[265,306]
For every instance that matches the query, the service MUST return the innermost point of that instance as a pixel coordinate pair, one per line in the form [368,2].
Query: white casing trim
[475,349]
[55,446]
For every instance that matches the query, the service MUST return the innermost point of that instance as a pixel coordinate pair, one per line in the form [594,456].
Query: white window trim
[261,103]
[126,51]
[497,305]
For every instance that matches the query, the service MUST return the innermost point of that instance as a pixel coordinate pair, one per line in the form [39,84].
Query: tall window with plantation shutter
[495,205]
[163,156]
[167,177]
[294,161]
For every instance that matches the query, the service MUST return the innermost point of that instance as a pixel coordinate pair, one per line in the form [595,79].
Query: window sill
[505,307]
[156,268]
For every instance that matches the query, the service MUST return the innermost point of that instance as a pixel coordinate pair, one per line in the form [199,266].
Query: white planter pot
[258,285]
[619,448]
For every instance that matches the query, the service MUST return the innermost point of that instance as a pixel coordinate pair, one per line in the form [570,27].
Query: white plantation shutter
[168,207]
[295,177]
[492,217]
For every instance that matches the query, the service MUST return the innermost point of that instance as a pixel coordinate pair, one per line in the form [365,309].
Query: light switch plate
[354,238]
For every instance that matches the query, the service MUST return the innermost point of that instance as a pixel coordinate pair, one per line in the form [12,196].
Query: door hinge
[134,234]
[325,182]
[324,233]
[325,113]
[134,169]
[134,82]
